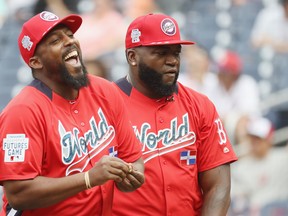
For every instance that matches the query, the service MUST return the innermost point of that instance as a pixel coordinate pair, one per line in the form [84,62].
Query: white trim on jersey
[12,212]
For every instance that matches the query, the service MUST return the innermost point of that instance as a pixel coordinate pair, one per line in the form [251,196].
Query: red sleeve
[21,143]
[215,148]
[129,146]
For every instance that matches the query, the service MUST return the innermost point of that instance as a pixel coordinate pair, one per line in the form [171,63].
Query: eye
[71,35]
[54,41]
[161,52]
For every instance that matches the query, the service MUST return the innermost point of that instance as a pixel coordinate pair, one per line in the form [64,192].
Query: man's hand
[108,168]
[135,177]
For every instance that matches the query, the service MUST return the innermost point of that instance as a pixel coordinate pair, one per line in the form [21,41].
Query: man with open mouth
[65,139]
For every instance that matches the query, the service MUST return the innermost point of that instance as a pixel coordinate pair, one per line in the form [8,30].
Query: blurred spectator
[61,7]
[96,67]
[196,72]
[136,8]
[236,96]
[102,31]
[10,61]
[3,11]
[259,178]
[271,27]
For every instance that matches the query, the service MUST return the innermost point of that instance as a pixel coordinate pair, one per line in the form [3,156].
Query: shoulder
[30,105]
[196,102]
[96,81]
[30,97]
[190,94]
[101,86]
[105,92]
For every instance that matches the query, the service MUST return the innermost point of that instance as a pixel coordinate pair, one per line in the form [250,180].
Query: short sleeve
[129,145]
[21,136]
[215,148]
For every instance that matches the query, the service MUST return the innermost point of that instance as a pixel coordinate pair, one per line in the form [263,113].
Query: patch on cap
[168,27]
[135,35]
[27,43]
[48,16]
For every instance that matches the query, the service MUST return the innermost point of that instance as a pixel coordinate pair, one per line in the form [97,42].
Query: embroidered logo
[221,132]
[113,152]
[48,16]
[168,27]
[27,43]
[78,150]
[188,157]
[226,150]
[135,35]
[15,146]
[167,140]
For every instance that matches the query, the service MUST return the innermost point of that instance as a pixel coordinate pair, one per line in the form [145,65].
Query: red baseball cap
[260,127]
[152,30]
[230,63]
[38,26]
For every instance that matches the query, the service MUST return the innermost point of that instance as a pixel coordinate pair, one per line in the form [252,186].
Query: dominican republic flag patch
[188,157]
[113,151]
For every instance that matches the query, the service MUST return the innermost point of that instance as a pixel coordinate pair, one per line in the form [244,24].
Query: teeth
[72,54]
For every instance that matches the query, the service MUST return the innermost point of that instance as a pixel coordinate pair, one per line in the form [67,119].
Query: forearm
[215,184]
[216,202]
[42,191]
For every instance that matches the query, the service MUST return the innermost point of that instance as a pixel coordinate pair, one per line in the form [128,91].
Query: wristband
[87,180]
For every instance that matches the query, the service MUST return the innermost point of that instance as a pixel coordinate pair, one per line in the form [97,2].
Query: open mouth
[72,58]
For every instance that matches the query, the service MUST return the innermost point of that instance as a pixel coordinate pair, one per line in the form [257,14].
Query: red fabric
[230,63]
[167,128]
[153,29]
[56,129]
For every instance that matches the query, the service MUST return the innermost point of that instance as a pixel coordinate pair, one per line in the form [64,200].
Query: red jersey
[182,135]
[43,134]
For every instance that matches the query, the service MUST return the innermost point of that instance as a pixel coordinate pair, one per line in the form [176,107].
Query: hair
[283,2]
[41,5]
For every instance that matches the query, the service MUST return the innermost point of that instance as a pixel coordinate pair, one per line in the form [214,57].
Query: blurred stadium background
[213,24]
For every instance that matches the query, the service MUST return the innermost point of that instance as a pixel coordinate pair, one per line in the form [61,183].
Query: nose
[172,60]
[68,40]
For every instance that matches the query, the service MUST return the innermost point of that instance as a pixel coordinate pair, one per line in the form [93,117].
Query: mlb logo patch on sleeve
[15,146]
[187,158]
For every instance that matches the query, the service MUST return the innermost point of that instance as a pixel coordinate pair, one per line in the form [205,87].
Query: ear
[35,63]
[131,57]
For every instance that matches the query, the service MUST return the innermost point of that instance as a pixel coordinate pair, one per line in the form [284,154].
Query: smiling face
[157,69]
[58,58]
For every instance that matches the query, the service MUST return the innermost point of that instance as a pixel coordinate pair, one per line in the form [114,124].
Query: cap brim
[159,43]
[72,21]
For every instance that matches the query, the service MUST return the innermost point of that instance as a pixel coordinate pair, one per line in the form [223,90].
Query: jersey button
[168,188]
[82,124]
[164,162]
[76,111]
[161,120]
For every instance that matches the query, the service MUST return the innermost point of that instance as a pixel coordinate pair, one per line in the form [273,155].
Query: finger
[136,178]
[130,168]
[118,172]
[125,167]
[116,159]
[126,185]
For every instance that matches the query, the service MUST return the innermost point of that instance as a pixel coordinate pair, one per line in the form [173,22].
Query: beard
[154,81]
[75,82]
